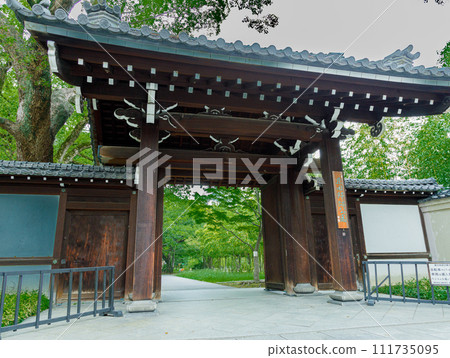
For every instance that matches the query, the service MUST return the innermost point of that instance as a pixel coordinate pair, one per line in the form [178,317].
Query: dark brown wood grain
[96,238]
[273,248]
[146,223]
[60,224]
[311,242]
[340,240]
[159,239]
[293,232]
[322,249]
[129,274]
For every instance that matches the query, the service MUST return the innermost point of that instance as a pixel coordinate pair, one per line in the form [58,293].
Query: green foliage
[27,308]
[410,148]
[444,60]
[80,152]
[194,15]
[429,151]
[179,228]
[9,102]
[209,275]
[231,214]
[218,228]
[440,292]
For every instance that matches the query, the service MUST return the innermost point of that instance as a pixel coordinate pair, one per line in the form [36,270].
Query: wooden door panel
[322,251]
[96,238]
[273,248]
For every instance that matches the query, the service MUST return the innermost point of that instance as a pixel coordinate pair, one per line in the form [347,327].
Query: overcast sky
[335,25]
[345,25]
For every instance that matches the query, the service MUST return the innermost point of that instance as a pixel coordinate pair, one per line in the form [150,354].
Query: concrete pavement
[199,310]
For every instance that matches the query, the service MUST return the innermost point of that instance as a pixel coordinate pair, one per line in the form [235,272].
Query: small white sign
[439,273]
[255,253]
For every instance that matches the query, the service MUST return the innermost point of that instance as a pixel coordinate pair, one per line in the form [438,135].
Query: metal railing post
[403,282]
[417,283]
[19,291]
[108,274]
[111,289]
[80,290]
[2,298]
[104,288]
[376,280]
[95,291]
[52,287]
[364,280]
[69,295]
[390,282]
[38,312]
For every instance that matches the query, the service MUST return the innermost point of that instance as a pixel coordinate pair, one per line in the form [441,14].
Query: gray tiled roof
[108,172]
[442,194]
[394,67]
[61,170]
[418,185]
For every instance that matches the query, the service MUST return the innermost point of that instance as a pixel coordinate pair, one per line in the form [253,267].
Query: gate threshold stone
[141,306]
[345,297]
[304,288]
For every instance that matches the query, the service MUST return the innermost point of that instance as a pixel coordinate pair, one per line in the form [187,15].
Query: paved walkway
[198,310]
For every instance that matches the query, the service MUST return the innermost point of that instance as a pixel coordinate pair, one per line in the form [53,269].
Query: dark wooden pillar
[340,240]
[311,243]
[273,246]
[285,237]
[159,237]
[293,219]
[146,218]
[129,274]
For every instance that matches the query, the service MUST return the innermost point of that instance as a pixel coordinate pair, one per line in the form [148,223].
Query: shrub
[27,308]
[440,292]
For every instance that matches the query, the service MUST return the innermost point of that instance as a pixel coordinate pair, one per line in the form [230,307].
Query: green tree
[43,107]
[429,151]
[410,148]
[196,15]
[233,215]
[179,227]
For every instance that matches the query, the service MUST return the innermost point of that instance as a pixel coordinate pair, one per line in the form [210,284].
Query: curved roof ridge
[397,64]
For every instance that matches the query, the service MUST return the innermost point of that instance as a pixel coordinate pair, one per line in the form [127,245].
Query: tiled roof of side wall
[108,172]
[62,170]
[397,67]
[442,194]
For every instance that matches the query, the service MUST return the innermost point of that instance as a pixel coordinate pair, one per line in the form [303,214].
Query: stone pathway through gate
[199,310]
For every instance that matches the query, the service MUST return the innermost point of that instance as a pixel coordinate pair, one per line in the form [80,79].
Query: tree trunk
[256,267]
[34,138]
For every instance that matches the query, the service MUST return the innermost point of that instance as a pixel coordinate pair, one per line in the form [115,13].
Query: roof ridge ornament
[402,58]
[102,14]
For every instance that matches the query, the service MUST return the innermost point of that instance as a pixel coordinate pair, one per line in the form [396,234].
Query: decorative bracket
[165,116]
[151,101]
[377,129]
[215,112]
[224,147]
[52,53]
[292,149]
[274,117]
[78,100]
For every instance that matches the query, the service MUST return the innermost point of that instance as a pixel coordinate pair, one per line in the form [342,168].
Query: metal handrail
[107,307]
[371,294]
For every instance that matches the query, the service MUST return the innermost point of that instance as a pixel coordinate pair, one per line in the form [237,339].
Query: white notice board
[439,273]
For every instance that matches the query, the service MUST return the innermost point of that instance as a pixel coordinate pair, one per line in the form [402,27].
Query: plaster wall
[436,215]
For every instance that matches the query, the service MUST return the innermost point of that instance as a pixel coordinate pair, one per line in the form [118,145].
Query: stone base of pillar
[141,306]
[304,288]
[344,297]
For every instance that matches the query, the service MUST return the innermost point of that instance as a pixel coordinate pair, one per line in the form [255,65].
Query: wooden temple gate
[195,98]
